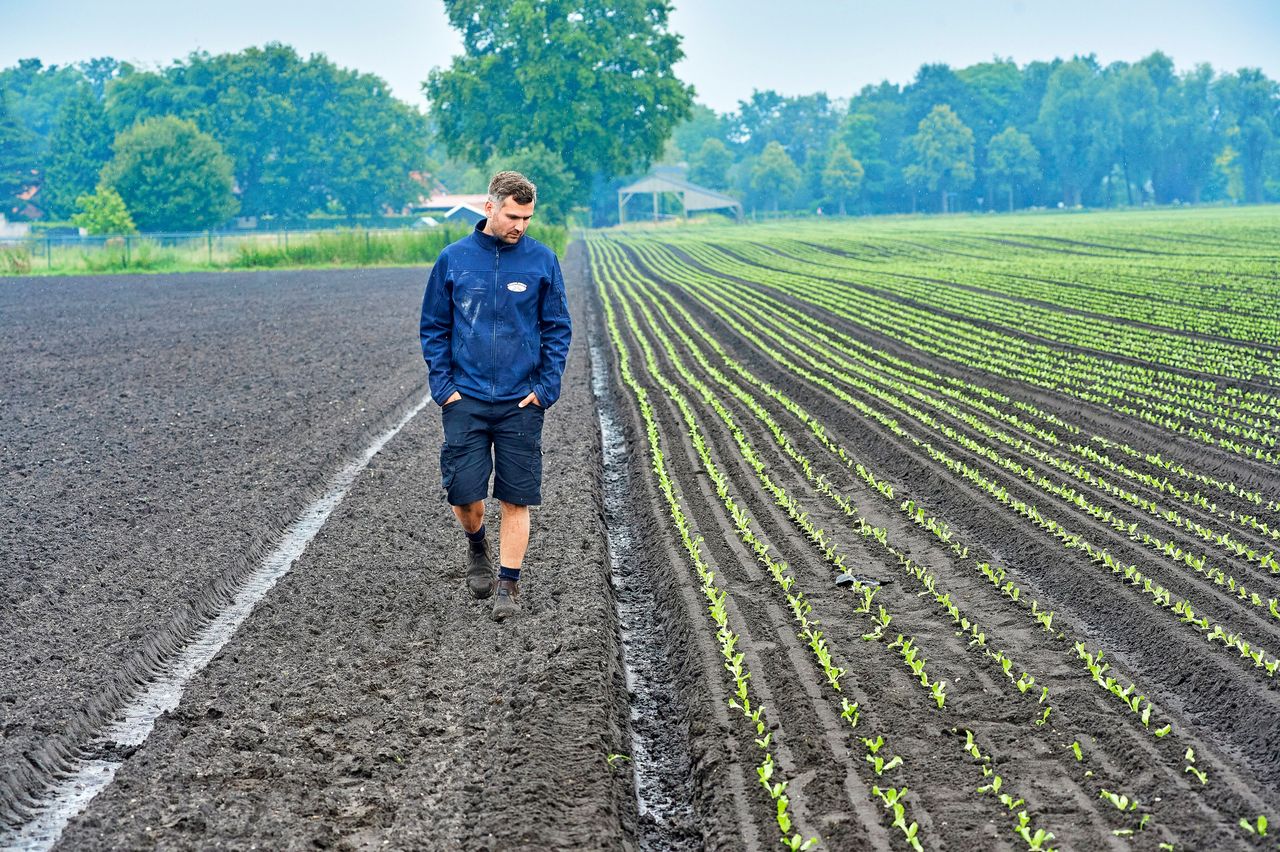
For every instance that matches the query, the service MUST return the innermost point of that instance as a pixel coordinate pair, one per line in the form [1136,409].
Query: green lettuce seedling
[1259,827]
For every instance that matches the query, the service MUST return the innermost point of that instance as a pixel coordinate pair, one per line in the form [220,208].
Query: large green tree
[1253,103]
[172,176]
[709,166]
[995,95]
[17,157]
[547,171]
[1012,160]
[100,71]
[702,124]
[1139,126]
[1074,123]
[934,84]
[363,142]
[593,82]
[882,111]
[774,176]
[80,147]
[941,153]
[303,134]
[841,176]
[858,130]
[803,125]
[1193,137]
[37,93]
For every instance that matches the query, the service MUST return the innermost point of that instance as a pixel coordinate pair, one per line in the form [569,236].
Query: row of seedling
[1177,468]
[1006,591]
[1037,839]
[1160,596]
[1136,702]
[1044,618]
[800,608]
[827,335]
[936,689]
[1025,682]
[1131,573]
[716,601]
[984,348]
[880,621]
[832,338]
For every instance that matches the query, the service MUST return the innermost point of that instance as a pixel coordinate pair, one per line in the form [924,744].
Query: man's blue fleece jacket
[495,320]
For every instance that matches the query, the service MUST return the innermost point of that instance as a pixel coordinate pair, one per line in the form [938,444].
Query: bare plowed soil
[158,435]
[158,432]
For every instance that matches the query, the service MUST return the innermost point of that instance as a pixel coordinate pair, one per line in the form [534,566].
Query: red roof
[444,201]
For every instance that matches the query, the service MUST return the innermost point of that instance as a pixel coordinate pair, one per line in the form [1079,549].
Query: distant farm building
[692,197]
[460,208]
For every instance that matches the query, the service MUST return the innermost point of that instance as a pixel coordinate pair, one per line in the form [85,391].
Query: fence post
[48,252]
[208,236]
[128,240]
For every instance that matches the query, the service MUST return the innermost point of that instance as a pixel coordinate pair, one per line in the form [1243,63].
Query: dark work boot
[507,602]
[480,574]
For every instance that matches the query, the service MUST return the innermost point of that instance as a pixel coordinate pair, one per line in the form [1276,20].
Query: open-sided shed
[692,197]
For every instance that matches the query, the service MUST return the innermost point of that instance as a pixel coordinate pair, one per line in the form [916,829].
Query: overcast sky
[835,46]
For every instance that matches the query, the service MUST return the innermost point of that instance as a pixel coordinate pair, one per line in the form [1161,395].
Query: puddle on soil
[72,793]
[660,755]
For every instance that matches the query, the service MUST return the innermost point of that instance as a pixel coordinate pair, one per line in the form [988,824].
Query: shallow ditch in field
[659,743]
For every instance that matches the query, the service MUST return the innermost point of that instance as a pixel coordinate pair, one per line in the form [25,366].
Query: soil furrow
[1100,421]
[1084,797]
[369,701]
[1132,747]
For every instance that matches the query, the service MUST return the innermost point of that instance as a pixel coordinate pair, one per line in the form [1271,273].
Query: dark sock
[476,537]
[505,573]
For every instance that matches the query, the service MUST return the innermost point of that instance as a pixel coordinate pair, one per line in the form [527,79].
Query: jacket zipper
[493,375]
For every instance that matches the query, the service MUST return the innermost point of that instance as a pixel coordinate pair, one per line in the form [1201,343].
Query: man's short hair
[512,185]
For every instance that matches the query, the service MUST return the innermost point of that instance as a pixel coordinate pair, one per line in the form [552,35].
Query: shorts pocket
[448,466]
[535,453]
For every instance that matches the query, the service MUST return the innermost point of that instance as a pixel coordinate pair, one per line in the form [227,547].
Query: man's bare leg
[514,534]
[480,575]
[515,540]
[471,515]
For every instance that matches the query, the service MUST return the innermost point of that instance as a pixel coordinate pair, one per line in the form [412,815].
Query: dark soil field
[159,433]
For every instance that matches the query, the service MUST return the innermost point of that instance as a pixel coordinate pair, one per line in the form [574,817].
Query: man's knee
[471,515]
[511,508]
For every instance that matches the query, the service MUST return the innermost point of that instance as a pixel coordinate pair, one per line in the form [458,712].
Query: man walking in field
[495,335]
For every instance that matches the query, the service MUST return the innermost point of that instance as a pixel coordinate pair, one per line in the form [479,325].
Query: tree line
[998,136]
[260,133]
[584,98]
[572,93]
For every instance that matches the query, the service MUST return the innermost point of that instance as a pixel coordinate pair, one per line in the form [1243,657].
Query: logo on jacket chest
[517,286]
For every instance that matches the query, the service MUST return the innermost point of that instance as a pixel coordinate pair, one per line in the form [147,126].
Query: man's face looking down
[508,222]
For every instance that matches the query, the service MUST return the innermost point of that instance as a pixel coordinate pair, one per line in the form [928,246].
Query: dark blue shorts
[487,438]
